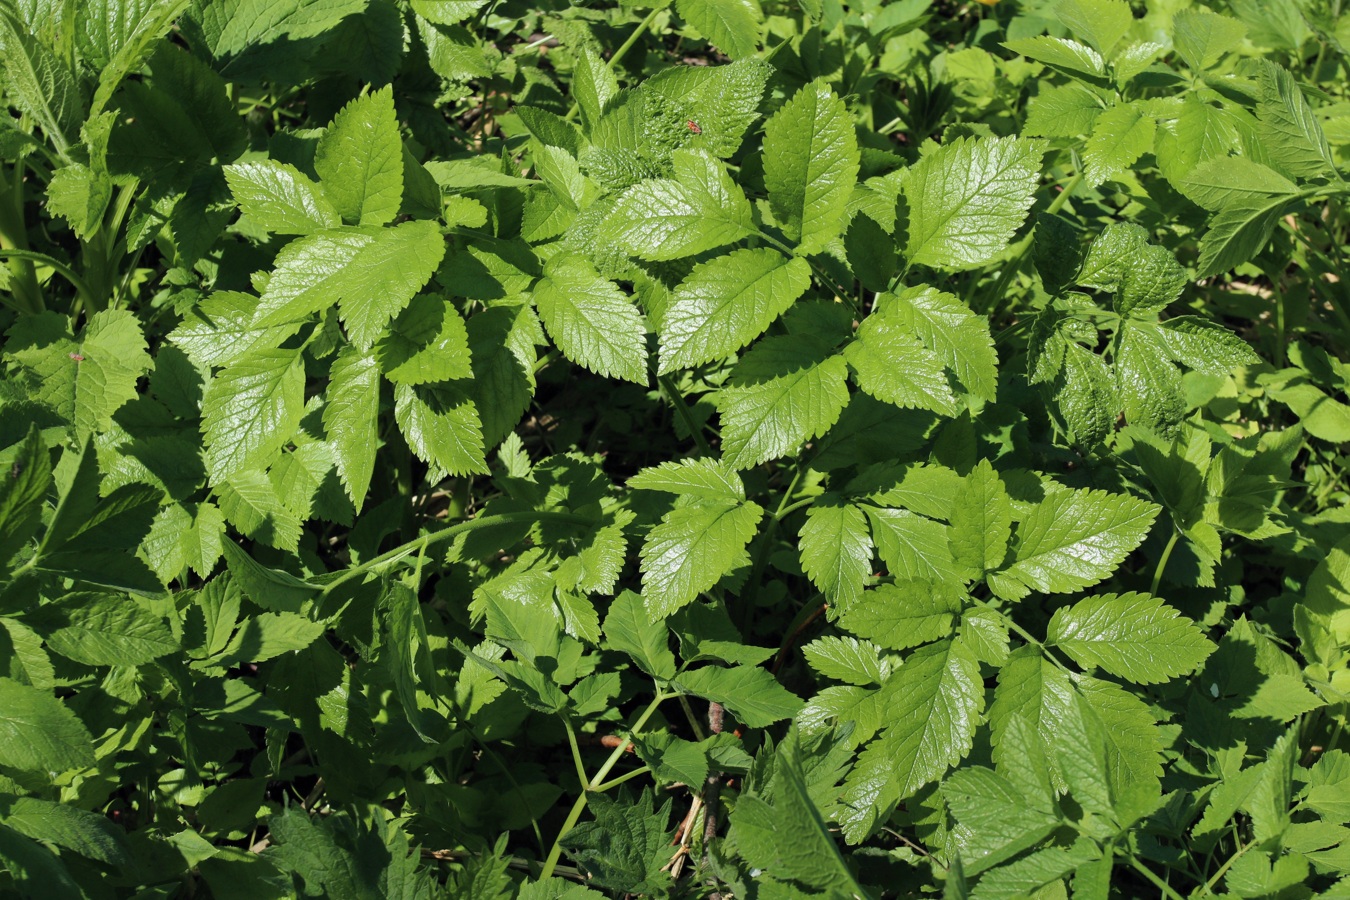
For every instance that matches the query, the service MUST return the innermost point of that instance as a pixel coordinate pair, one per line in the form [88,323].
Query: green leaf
[836,551]
[267,636]
[1234,180]
[591,320]
[221,328]
[749,692]
[785,391]
[1287,126]
[371,273]
[846,659]
[79,195]
[1086,396]
[558,169]
[630,629]
[706,479]
[1120,135]
[1198,133]
[269,588]
[593,86]
[428,342]
[700,210]
[789,840]
[38,732]
[408,660]
[1133,636]
[953,333]
[912,546]
[892,365]
[251,409]
[1110,254]
[1061,53]
[1075,538]
[1152,280]
[23,494]
[1025,876]
[1240,231]
[981,520]
[441,425]
[1206,346]
[280,198]
[810,166]
[1203,37]
[1032,688]
[936,700]
[84,381]
[81,831]
[250,502]
[106,630]
[1102,23]
[38,82]
[732,26]
[726,303]
[995,816]
[359,160]
[692,548]
[1147,383]
[903,615]
[625,847]
[1063,111]
[351,419]
[672,759]
[966,199]
[129,37]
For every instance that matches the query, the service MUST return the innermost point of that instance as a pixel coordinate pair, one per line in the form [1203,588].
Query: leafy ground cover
[725,448]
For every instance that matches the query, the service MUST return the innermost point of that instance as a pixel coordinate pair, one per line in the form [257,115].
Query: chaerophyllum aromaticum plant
[721,448]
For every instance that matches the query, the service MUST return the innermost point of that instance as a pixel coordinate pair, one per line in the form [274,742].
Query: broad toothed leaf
[1076,538]
[591,320]
[726,303]
[967,198]
[810,166]
[1133,636]
[787,390]
[692,548]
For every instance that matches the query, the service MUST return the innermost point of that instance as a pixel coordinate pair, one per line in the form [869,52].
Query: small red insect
[693,126]
[77,357]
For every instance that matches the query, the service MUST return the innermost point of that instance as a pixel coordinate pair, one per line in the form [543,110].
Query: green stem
[1208,886]
[821,275]
[783,513]
[446,534]
[623,49]
[1167,889]
[14,236]
[57,266]
[576,752]
[693,719]
[615,782]
[761,557]
[1162,563]
[682,410]
[597,784]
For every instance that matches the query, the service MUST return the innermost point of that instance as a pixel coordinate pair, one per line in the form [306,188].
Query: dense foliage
[728,448]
